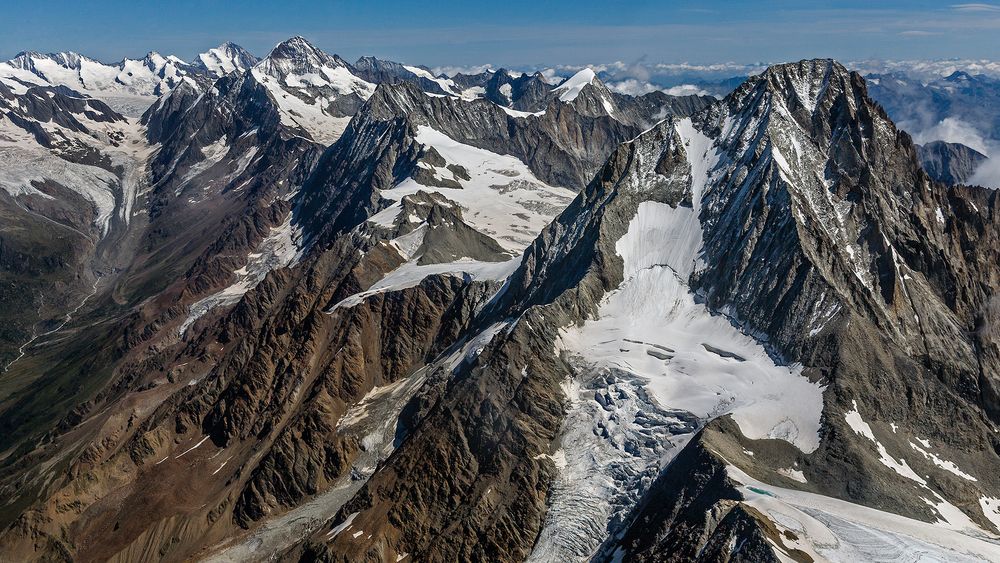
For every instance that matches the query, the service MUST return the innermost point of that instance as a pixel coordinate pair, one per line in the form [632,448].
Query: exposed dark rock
[949,163]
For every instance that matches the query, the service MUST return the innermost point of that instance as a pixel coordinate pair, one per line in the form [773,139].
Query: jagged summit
[226,58]
[69,59]
[379,71]
[130,85]
[375,64]
[26,55]
[296,55]
[295,43]
[393,100]
[805,83]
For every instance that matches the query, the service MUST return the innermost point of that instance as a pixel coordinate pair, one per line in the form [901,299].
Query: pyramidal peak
[572,86]
[297,55]
[226,58]
[808,82]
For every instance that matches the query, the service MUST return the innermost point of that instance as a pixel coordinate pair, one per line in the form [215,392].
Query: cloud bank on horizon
[521,32]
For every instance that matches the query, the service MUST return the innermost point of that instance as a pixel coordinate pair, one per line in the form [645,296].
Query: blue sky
[513,32]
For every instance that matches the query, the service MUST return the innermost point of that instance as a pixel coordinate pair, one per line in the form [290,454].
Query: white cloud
[552,76]
[919,33]
[988,174]
[954,130]
[732,68]
[453,70]
[686,90]
[927,69]
[975,7]
[632,87]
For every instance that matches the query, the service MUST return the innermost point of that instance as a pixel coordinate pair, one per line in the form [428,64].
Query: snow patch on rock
[942,463]
[282,247]
[502,197]
[857,423]
[573,85]
[411,274]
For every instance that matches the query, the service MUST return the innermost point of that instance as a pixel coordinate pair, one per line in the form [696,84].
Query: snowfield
[573,85]
[283,247]
[223,60]
[304,98]
[834,530]
[24,163]
[693,359]
[296,112]
[502,199]
[129,86]
[667,363]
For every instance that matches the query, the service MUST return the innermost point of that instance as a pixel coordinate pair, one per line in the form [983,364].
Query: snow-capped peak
[155,58]
[572,86]
[226,58]
[297,64]
[297,56]
[129,85]
[314,91]
[806,80]
[26,60]
[295,43]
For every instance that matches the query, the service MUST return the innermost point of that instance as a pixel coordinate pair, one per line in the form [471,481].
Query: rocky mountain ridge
[761,121]
[457,325]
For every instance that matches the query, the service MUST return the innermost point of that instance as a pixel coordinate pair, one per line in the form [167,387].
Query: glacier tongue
[696,361]
[652,340]
[692,359]
[615,442]
[20,168]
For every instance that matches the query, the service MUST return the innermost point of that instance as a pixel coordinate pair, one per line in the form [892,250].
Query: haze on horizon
[518,32]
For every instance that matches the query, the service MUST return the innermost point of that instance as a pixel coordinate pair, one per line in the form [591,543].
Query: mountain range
[303,309]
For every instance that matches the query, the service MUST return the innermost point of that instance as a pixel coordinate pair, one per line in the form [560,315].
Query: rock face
[541,322]
[715,166]
[785,165]
[195,323]
[950,163]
